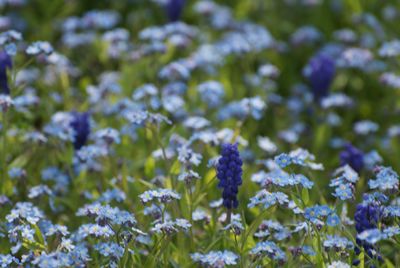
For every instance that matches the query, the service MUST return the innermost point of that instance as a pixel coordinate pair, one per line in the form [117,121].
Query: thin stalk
[240,253]
[4,182]
[228,216]
[191,214]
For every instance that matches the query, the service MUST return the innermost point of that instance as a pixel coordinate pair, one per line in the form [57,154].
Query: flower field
[199,133]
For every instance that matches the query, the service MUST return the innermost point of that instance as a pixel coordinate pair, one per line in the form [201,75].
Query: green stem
[228,216]
[156,134]
[240,253]
[191,215]
[4,182]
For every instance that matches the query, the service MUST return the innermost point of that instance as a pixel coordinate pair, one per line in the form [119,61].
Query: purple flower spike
[5,63]
[352,157]
[229,173]
[80,125]
[320,71]
[174,9]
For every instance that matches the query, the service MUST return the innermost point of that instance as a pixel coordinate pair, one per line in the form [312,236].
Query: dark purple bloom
[367,216]
[352,157]
[320,71]
[5,63]
[229,173]
[174,9]
[81,126]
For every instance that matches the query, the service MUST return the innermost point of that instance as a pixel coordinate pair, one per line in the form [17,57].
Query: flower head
[352,157]
[174,9]
[215,259]
[80,125]
[5,63]
[320,71]
[229,173]
[367,217]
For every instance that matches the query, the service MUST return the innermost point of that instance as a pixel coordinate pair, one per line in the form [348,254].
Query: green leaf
[305,196]
[361,257]
[252,228]
[210,246]
[39,235]
[149,167]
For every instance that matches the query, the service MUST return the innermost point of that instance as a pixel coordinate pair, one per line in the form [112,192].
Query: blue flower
[188,176]
[107,214]
[109,249]
[270,249]
[339,264]
[392,211]
[99,19]
[268,199]
[39,47]
[229,173]
[5,63]
[308,251]
[365,127]
[318,213]
[337,242]
[321,72]
[211,93]
[386,179]
[355,57]
[170,227]
[6,260]
[344,191]
[108,136]
[254,106]
[16,172]
[283,160]
[344,184]
[162,195]
[305,35]
[370,236]
[215,258]
[25,211]
[390,49]
[333,220]
[95,230]
[200,215]
[353,157]
[80,125]
[39,190]
[112,194]
[375,198]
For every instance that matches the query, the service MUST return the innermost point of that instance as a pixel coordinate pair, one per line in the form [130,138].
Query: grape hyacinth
[80,125]
[366,217]
[174,9]
[353,157]
[5,63]
[320,71]
[229,173]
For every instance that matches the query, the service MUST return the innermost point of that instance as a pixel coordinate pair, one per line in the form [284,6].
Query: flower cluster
[121,123]
[319,214]
[215,259]
[344,183]
[386,179]
[268,249]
